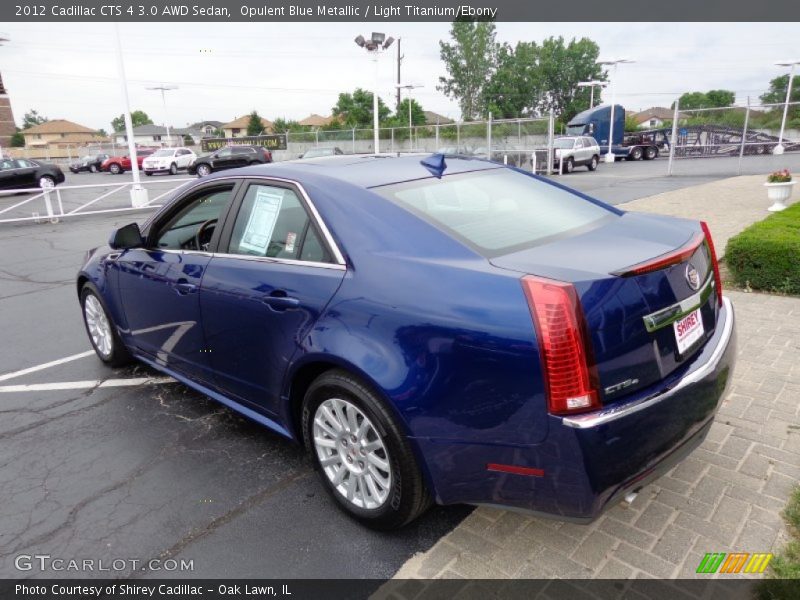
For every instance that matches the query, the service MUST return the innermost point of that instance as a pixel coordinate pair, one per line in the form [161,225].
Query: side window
[192,227]
[272,222]
[224,152]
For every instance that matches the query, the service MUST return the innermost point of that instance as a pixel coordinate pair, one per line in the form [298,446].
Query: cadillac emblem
[692,277]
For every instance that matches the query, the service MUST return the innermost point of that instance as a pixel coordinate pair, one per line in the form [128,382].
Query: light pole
[376,44]
[612,62]
[590,85]
[791,64]
[3,40]
[138,193]
[165,88]
[409,86]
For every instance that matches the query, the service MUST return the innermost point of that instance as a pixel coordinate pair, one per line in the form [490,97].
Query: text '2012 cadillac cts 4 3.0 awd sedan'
[432,329]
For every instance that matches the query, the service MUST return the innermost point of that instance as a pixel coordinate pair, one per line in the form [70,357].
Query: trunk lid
[631,317]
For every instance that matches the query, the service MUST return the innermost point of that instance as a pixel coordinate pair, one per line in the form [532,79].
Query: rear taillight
[567,360]
[665,260]
[714,262]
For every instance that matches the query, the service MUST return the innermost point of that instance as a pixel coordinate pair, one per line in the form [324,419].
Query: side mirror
[126,237]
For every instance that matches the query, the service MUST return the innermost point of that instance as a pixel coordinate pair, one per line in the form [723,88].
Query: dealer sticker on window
[688,330]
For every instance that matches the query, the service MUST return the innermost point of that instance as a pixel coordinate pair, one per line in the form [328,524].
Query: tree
[710,99]
[255,125]
[777,95]
[281,125]
[514,88]
[102,132]
[17,140]
[470,61]
[559,69]
[355,110]
[138,117]
[400,119]
[33,118]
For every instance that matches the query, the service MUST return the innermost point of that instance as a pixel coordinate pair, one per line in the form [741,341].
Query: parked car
[168,160]
[453,331]
[22,173]
[575,151]
[229,157]
[90,162]
[116,165]
[319,152]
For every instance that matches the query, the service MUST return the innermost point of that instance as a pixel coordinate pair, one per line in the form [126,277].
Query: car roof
[368,170]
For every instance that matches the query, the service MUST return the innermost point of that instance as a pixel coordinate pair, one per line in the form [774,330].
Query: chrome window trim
[589,420]
[667,316]
[340,263]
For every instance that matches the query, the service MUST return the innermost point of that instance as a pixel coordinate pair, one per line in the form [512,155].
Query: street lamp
[138,193]
[165,88]
[791,64]
[376,44]
[409,86]
[3,40]
[612,62]
[591,85]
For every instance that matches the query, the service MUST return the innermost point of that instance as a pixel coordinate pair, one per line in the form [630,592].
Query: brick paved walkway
[726,497]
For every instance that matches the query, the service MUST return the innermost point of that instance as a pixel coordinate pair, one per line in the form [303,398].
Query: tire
[636,154]
[101,331]
[93,168]
[650,153]
[393,492]
[569,166]
[173,169]
[202,170]
[46,182]
[148,173]
[593,163]
[115,169]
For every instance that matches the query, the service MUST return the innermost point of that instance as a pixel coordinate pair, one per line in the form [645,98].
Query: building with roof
[432,118]
[59,131]
[156,135]
[207,128]
[315,120]
[652,118]
[238,127]
[7,126]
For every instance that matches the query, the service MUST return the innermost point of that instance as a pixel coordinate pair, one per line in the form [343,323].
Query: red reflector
[567,362]
[515,470]
[665,260]
[714,262]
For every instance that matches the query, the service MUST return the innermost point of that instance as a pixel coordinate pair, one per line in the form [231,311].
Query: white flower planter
[779,193]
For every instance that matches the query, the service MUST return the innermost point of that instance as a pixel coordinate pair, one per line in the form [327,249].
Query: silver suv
[575,151]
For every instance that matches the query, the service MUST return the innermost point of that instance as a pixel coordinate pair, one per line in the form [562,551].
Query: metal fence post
[437,136]
[458,135]
[551,125]
[674,141]
[519,132]
[489,138]
[392,146]
[744,136]
[354,140]
[316,137]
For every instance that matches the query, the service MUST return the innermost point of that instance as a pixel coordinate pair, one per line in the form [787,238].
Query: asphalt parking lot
[99,463]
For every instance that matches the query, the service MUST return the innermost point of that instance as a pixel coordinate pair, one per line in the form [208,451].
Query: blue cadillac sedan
[431,329]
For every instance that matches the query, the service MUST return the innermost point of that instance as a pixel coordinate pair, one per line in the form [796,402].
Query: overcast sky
[225,70]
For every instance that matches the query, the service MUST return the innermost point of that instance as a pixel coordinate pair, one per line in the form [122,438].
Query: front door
[160,283]
[263,291]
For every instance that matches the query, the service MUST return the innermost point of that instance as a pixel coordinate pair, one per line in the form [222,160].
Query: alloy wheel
[98,325]
[352,453]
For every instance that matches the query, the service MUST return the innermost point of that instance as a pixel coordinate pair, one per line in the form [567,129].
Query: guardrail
[52,200]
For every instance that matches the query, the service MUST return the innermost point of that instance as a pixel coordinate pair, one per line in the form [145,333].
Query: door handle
[183,287]
[280,301]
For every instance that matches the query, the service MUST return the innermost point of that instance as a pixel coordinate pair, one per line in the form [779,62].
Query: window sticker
[261,223]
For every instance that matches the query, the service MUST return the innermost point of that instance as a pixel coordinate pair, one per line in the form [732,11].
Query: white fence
[56,203]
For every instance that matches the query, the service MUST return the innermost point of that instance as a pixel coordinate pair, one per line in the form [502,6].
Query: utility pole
[399,61]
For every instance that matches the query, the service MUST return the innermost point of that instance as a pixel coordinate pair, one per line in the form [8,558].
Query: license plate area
[688,331]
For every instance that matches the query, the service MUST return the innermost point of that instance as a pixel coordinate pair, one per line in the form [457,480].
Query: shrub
[767,254]
[779,177]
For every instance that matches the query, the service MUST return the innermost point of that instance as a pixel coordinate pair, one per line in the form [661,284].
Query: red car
[117,165]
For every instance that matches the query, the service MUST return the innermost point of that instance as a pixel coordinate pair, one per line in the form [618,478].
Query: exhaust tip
[629,498]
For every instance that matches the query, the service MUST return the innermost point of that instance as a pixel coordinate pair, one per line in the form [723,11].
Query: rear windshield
[497,211]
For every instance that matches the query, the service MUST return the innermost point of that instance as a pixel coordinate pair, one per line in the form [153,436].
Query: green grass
[766,255]
[783,582]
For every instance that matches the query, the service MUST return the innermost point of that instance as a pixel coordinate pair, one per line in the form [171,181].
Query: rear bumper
[590,461]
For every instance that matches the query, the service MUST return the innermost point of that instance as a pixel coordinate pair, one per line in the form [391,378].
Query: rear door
[263,291]
[223,159]
[27,173]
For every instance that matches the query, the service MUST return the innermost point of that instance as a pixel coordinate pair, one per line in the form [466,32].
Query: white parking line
[78,385]
[53,363]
